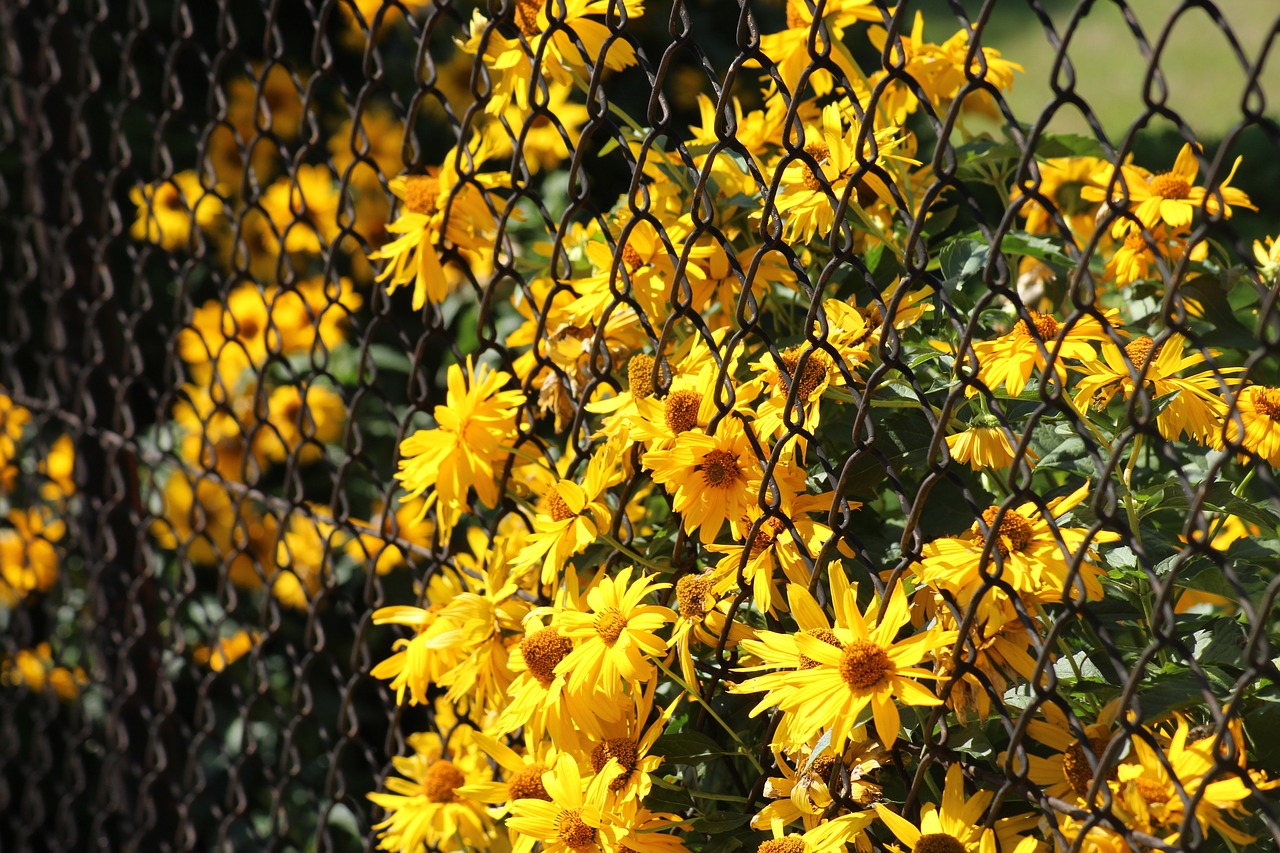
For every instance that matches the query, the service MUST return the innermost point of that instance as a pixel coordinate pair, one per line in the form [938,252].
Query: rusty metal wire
[278,753]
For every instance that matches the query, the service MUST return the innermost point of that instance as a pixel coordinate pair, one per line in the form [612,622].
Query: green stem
[639,558]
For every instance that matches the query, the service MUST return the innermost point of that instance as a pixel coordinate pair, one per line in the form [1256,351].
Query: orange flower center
[815,370]
[440,780]
[821,768]
[1141,350]
[422,194]
[790,844]
[610,624]
[938,842]
[819,152]
[527,16]
[1266,401]
[573,831]
[621,748]
[1169,185]
[691,591]
[526,784]
[169,197]
[542,651]
[681,410]
[1046,327]
[555,505]
[827,636]
[1075,764]
[640,376]
[720,469]
[864,664]
[1014,527]
[631,258]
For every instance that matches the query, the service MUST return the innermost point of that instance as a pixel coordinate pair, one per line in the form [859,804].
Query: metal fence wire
[806,425]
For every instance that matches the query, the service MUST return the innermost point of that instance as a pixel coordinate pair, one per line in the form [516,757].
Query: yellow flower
[227,650]
[827,837]
[1061,180]
[801,793]
[1031,560]
[1152,794]
[424,807]
[714,477]
[1070,772]
[576,818]
[303,210]
[832,674]
[1010,359]
[35,670]
[1168,197]
[372,152]
[627,741]
[58,469]
[299,421]
[807,199]
[571,516]
[169,210]
[985,444]
[441,210]
[956,827]
[1196,410]
[1252,422]
[303,553]
[28,554]
[616,639]
[1268,258]
[474,430]
[789,49]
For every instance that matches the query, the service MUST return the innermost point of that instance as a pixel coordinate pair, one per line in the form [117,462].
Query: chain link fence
[1023,332]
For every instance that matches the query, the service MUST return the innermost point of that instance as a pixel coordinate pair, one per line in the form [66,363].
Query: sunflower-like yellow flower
[713,477]
[1010,359]
[789,49]
[169,210]
[577,816]
[423,807]
[1153,794]
[227,650]
[1031,560]
[474,430]
[1061,180]
[1070,772]
[956,827]
[1196,410]
[831,674]
[443,209]
[1252,421]
[1268,258]
[801,793]
[616,639]
[1169,197]
[807,199]
[29,558]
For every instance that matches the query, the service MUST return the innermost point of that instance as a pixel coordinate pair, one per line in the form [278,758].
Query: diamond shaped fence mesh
[597,425]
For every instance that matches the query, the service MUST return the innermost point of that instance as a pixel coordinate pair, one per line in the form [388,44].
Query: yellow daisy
[1010,359]
[831,677]
[987,443]
[1252,422]
[575,819]
[956,827]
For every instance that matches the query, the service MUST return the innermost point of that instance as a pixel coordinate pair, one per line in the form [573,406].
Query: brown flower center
[821,767]
[815,370]
[620,748]
[640,376]
[1046,327]
[527,16]
[440,780]
[691,591]
[1266,401]
[1075,764]
[790,844]
[422,194]
[819,152]
[681,410]
[720,469]
[827,636]
[938,842]
[1152,791]
[1014,527]
[864,664]
[169,197]
[1169,185]
[1135,242]
[555,505]
[573,831]
[766,535]
[526,784]
[542,651]
[610,625]
[631,258]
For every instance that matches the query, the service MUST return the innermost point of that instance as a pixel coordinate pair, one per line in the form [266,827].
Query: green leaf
[687,748]
[1171,691]
[720,821]
[1069,145]
[962,258]
[1030,245]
